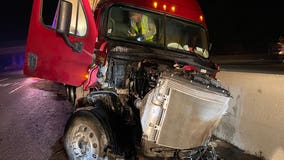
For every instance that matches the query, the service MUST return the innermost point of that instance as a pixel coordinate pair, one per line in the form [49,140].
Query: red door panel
[49,57]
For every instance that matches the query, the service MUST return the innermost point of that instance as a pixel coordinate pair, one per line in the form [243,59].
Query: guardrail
[12,57]
[251,63]
[12,50]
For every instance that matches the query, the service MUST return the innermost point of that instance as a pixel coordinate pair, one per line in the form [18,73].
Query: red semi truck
[137,72]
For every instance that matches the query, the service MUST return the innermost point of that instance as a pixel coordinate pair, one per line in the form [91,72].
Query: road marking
[15,83]
[1,80]
[16,89]
[5,84]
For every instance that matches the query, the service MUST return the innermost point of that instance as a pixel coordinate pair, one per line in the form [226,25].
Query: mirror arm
[76,46]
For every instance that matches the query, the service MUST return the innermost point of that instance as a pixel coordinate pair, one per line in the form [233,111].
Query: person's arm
[152,29]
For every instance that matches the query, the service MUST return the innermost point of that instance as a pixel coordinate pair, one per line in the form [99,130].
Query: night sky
[243,26]
[14,20]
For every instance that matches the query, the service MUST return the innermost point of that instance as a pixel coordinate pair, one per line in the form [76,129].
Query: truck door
[48,54]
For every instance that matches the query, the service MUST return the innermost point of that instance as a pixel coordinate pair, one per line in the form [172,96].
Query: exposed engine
[134,77]
[177,108]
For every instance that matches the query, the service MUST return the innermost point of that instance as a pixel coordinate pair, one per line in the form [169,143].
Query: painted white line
[16,89]
[1,80]
[5,84]
[15,83]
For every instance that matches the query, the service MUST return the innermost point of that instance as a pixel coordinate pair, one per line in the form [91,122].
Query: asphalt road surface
[33,113]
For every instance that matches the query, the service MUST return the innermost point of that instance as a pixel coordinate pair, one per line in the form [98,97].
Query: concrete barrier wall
[255,119]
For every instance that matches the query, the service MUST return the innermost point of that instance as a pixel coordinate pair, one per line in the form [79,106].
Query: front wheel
[85,138]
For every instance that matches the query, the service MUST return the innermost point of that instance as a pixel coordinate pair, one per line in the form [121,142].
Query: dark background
[15,17]
[242,27]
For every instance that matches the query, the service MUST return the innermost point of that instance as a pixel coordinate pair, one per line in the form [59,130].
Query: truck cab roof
[186,9]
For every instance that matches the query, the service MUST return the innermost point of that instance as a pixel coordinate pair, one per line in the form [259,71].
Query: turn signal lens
[201,18]
[86,76]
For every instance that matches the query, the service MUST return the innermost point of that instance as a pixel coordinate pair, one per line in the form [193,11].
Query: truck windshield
[155,29]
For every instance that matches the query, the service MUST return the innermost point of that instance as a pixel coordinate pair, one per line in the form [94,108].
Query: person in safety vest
[142,27]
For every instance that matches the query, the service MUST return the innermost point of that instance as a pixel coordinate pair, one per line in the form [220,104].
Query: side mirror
[64,17]
[63,25]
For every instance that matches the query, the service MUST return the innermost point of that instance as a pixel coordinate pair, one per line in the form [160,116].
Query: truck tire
[85,137]
[72,94]
[67,91]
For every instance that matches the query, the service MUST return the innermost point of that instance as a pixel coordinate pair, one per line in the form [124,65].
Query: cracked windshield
[146,27]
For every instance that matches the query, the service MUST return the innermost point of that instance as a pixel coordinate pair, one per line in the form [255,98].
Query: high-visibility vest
[144,27]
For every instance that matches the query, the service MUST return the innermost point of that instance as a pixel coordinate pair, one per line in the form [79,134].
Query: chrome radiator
[180,115]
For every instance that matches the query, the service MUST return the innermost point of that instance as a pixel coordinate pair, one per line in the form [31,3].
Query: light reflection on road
[17,85]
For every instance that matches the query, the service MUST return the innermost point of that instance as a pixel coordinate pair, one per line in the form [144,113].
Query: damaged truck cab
[137,72]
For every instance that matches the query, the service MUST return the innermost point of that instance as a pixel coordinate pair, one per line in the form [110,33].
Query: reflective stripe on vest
[144,27]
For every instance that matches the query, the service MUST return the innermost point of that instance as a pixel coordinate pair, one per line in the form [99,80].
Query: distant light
[173,8]
[165,7]
[201,18]
[155,4]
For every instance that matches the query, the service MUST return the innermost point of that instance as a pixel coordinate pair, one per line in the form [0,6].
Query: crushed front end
[171,107]
[161,97]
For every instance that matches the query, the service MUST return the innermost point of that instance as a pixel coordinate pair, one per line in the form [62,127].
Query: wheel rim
[83,144]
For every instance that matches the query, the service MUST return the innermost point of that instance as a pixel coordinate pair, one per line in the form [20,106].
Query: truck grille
[187,117]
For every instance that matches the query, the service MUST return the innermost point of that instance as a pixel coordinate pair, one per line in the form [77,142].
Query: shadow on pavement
[57,88]
[228,151]
[58,152]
